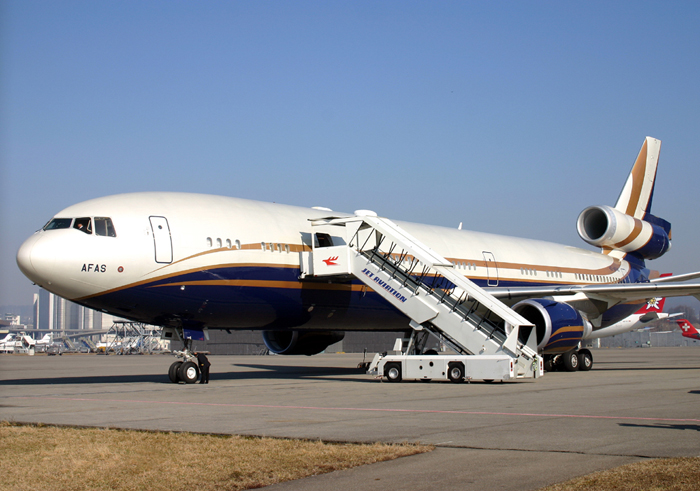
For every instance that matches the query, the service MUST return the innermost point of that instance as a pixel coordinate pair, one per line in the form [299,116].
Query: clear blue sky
[511,117]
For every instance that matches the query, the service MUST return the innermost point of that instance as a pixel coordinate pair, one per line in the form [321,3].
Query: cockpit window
[57,223]
[103,226]
[83,224]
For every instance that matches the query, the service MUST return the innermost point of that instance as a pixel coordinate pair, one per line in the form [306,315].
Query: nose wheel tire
[173,372]
[188,372]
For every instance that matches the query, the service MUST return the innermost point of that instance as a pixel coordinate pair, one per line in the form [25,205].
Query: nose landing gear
[184,370]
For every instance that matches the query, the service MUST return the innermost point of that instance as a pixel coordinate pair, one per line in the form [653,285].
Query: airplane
[194,262]
[8,343]
[15,341]
[650,313]
[688,329]
[45,340]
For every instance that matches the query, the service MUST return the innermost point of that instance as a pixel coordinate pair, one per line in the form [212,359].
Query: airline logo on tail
[654,304]
[688,329]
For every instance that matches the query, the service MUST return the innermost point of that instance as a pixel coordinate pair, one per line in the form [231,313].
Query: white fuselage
[219,262]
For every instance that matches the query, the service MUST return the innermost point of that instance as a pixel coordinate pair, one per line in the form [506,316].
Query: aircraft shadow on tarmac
[664,426]
[261,372]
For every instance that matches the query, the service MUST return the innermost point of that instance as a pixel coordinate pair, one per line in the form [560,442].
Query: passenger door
[161,239]
[491,269]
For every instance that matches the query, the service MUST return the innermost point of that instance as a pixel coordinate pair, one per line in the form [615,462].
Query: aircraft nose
[24,257]
[35,257]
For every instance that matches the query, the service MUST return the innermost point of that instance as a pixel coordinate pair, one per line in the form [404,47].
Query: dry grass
[52,458]
[681,474]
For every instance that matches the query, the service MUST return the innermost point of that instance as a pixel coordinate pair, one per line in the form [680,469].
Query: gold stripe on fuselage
[605,272]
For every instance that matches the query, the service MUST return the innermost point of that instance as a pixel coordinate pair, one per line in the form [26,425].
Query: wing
[600,297]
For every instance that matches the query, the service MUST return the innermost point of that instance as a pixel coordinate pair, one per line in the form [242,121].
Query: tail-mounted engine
[608,228]
[559,326]
[300,342]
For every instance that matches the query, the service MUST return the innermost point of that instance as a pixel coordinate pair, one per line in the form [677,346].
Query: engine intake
[608,228]
[300,343]
[559,326]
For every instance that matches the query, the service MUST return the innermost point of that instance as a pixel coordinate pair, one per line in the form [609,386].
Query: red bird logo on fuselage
[331,261]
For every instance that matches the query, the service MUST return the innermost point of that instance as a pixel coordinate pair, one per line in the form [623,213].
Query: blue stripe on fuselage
[210,303]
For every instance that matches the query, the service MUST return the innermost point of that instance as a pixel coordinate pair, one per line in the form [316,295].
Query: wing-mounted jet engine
[300,343]
[559,327]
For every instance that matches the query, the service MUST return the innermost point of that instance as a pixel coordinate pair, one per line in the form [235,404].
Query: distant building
[12,320]
[53,313]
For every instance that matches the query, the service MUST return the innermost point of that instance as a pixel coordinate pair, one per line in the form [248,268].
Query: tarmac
[635,404]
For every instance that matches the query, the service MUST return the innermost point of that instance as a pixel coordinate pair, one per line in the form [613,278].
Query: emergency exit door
[161,239]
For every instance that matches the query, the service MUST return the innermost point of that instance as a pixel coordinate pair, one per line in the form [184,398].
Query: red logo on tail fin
[688,329]
[653,305]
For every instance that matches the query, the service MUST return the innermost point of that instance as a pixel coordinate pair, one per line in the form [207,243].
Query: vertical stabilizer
[636,195]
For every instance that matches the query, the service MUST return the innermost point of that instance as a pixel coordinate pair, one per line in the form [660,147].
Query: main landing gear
[186,369]
[570,361]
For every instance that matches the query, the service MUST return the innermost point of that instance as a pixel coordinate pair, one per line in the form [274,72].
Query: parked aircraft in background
[688,329]
[8,343]
[193,262]
[16,341]
[650,313]
[46,340]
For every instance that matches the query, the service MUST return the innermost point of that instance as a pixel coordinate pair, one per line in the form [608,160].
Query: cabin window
[83,224]
[209,242]
[263,246]
[323,240]
[104,227]
[228,243]
[286,247]
[219,244]
[238,244]
[57,223]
